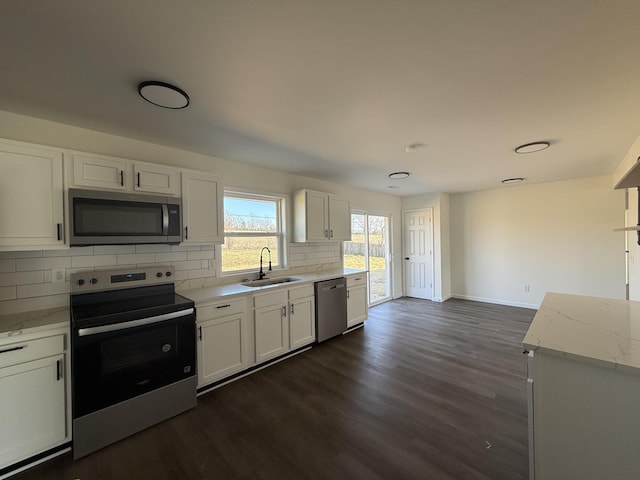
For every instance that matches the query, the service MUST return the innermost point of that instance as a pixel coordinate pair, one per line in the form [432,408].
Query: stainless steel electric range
[133,354]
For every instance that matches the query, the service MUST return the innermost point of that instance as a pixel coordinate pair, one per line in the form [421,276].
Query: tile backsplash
[39,279]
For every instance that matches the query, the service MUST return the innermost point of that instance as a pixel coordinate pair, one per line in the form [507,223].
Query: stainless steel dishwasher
[331,308]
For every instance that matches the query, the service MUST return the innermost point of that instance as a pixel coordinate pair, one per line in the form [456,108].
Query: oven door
[118,361]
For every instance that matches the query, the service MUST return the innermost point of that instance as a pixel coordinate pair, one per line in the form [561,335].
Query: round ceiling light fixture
[532,147]
[412,147]
[163,94]
[506,181]
[398,175]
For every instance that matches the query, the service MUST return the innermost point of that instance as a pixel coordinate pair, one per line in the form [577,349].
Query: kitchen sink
[268,281]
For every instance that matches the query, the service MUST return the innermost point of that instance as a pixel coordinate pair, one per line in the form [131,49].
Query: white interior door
[418,253]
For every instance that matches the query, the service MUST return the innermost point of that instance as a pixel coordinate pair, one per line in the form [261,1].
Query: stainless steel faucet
[261,274]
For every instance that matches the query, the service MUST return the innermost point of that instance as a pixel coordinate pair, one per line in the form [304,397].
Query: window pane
[243,253]
[250,215]
[251,222]
[354,251]
[378,248]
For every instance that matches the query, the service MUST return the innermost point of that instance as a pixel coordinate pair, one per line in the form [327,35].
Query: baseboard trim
[496,301]
[37,459]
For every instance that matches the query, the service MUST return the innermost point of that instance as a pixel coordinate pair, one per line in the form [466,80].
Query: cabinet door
[202,203]
[271,332]
[222,348]
[155,179]
[302,322]
[317,213]
[32,408]
[31,195]
[357,308]
[339,218]
[101,172]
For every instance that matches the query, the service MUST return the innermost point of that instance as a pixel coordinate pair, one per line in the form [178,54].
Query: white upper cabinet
[320,217]
[150,178]
[31,197]
[339,218]
[202,204]
[101,171]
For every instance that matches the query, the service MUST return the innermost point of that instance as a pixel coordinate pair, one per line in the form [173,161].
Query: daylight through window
[252,222]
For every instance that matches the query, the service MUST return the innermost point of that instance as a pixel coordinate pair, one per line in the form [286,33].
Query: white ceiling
[335,89]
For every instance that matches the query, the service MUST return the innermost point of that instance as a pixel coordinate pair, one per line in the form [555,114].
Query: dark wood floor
[424,391]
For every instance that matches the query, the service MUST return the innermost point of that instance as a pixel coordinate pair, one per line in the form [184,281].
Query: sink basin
[268,281]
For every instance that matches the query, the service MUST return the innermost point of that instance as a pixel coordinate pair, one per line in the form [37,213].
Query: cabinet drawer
[18,352]
[220,309]
[301,292]
[357,280]
[268,299]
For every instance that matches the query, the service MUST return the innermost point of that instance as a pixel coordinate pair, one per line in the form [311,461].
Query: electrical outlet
[58,275]
[526,288]
[212,264]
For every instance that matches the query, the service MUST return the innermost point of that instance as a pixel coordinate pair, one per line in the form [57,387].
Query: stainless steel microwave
[117,218]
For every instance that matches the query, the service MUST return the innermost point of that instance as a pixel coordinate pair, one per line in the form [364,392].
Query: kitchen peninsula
[584,388]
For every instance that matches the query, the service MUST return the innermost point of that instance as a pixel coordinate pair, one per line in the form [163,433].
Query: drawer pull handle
[359,278]
[224,306]
[13,349]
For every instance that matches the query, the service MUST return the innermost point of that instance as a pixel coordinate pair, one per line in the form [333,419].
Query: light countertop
[596,330]
[53,318]
[34,321]
[226,291]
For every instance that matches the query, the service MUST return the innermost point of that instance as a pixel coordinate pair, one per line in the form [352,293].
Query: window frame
[281,231]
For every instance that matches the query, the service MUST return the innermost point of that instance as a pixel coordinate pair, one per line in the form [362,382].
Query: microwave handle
[165,219]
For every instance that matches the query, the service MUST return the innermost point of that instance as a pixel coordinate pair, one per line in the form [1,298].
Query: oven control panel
[101,280]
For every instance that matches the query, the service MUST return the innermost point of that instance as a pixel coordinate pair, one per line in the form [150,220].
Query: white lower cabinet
[33,408]
[357,304]
[302,313]
[284,320]
[271,325]
[223,340]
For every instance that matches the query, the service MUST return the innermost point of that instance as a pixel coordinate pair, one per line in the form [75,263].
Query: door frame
[433,250]
[390,263]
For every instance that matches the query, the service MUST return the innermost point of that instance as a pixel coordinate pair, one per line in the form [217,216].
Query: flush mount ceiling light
[532,147]
[412,147]
[163,94]
[398,175]
[512,180]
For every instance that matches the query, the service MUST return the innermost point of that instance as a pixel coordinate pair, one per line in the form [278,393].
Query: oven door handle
[83,332]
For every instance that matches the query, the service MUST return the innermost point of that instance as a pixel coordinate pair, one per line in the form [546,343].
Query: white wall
[15,283]
[439,202]
[554,237]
